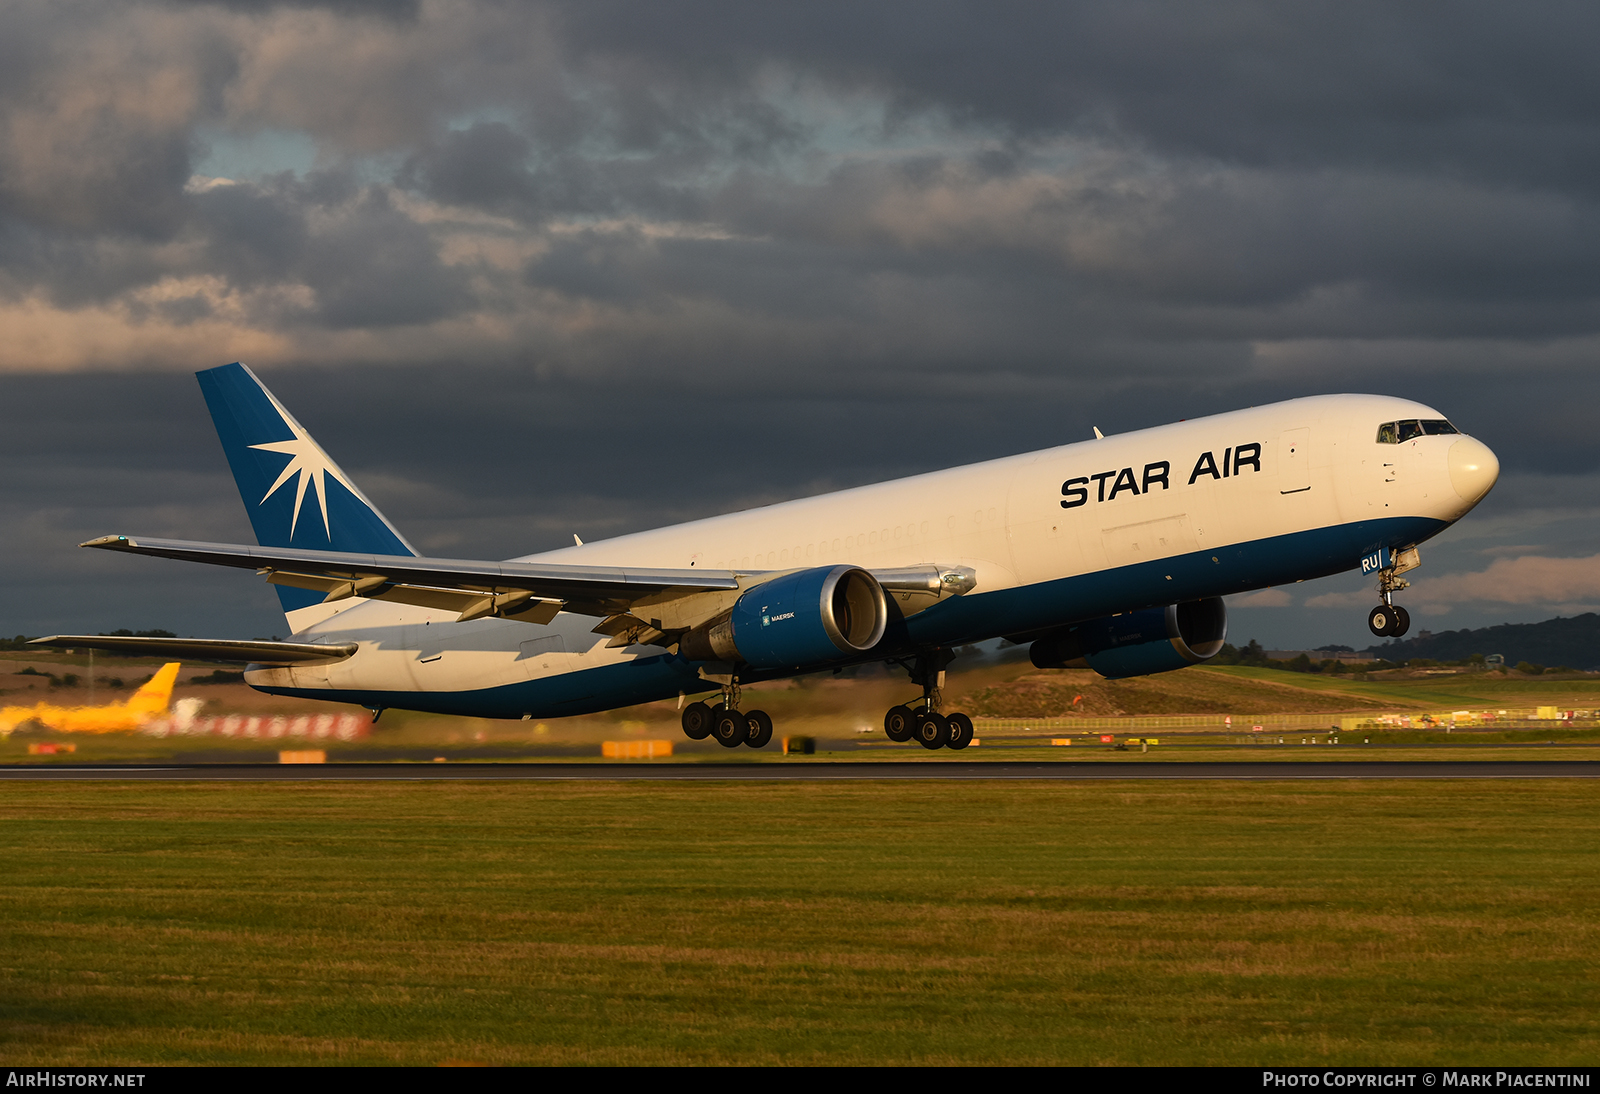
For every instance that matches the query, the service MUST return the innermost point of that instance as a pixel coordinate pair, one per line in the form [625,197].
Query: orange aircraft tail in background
[149,702]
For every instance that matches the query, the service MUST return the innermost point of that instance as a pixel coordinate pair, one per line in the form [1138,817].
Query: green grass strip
[1422,923]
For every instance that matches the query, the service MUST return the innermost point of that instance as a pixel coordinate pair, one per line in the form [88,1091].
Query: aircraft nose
[1473,468]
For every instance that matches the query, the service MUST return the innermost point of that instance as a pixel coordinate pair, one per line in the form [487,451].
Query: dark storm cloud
[487,166]
[400,10]
[91,143]
[253,234]
[633,263]
[1242,171]
[376,267]
[1508,91]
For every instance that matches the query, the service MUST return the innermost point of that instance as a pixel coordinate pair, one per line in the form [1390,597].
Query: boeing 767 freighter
[1114,553]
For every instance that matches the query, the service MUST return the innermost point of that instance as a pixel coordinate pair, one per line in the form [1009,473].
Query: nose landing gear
[1389,620]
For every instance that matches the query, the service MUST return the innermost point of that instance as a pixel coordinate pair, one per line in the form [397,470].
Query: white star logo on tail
[307,461]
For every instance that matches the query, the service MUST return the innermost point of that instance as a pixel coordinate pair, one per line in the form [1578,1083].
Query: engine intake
[1138,643]
[809,617]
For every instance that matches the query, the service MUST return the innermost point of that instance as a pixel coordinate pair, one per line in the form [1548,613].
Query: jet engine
[809,617]
[1138,643]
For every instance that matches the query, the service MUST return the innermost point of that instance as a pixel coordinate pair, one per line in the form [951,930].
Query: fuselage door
[1294,461]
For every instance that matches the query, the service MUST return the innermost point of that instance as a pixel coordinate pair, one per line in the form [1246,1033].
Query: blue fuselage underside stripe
[1239,567]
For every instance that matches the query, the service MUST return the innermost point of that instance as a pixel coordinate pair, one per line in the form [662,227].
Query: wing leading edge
[524,591]
[203,649]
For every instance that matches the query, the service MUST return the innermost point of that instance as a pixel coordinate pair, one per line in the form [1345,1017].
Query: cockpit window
[1398,432]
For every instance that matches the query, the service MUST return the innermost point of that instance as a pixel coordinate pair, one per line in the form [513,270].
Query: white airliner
[1113,553]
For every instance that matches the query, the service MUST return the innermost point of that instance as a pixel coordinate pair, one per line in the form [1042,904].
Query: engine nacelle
[810,617]
[1139,643]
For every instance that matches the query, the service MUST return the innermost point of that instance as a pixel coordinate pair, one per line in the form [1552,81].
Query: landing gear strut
[1389,620]
[922,720]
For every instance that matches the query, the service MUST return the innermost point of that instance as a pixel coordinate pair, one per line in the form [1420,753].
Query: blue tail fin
[296,496]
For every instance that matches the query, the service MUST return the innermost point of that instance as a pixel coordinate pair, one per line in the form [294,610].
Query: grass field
[1273,923]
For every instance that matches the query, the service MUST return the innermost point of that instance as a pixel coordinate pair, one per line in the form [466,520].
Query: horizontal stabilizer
[203,649]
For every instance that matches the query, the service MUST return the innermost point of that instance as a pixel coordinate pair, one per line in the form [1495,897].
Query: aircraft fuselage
[1208,507]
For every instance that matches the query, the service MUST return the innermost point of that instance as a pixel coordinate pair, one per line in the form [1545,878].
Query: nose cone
[1473,469]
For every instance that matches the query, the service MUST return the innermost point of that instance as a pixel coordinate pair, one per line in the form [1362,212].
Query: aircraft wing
[203,649]
[532,592]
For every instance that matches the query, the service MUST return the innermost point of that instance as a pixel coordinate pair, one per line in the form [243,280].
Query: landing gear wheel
[1381,620]
[899,724]
[759,728]
[960,731]
[932,731]
[729,727]
[1402,621]
[697,721]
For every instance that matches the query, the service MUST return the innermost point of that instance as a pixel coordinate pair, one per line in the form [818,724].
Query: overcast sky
[530,269]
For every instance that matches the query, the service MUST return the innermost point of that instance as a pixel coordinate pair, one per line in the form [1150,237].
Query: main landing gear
[923,722]
[730,726]
[928,727]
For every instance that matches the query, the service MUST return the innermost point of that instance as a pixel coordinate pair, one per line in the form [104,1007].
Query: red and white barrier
[314,727]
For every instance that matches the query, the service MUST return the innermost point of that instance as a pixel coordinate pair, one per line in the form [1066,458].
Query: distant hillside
[1574,642]
[1067,693]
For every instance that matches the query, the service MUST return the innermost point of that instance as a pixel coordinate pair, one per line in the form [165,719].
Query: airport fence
[1376,721]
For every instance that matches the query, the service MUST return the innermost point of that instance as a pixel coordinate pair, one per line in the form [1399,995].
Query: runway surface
[802,771]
